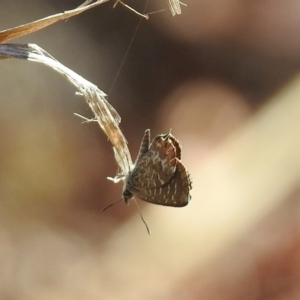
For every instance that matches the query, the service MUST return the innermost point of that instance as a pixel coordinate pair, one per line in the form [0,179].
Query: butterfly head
[127,195]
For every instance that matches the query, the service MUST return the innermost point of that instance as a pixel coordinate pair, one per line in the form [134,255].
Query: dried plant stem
[130,8]
[24,29]
[106,116]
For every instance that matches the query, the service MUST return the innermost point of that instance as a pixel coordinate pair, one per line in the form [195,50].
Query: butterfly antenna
[140,212]
[112,204]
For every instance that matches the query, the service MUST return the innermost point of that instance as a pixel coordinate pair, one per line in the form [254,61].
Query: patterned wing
[174,141]
[177,145]
[144,146]
[175,193]
[156,167]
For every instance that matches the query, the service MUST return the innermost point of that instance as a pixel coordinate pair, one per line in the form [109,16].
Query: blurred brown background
[223,76]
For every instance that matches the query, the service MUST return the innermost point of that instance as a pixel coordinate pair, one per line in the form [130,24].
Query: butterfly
[158,175]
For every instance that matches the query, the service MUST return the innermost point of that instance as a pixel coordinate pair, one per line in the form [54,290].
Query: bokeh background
[224,76]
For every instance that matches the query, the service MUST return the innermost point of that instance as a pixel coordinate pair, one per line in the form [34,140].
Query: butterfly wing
[155,168]
[177,145]
[144,146]
[175,193]
[159,177]
[174,141]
